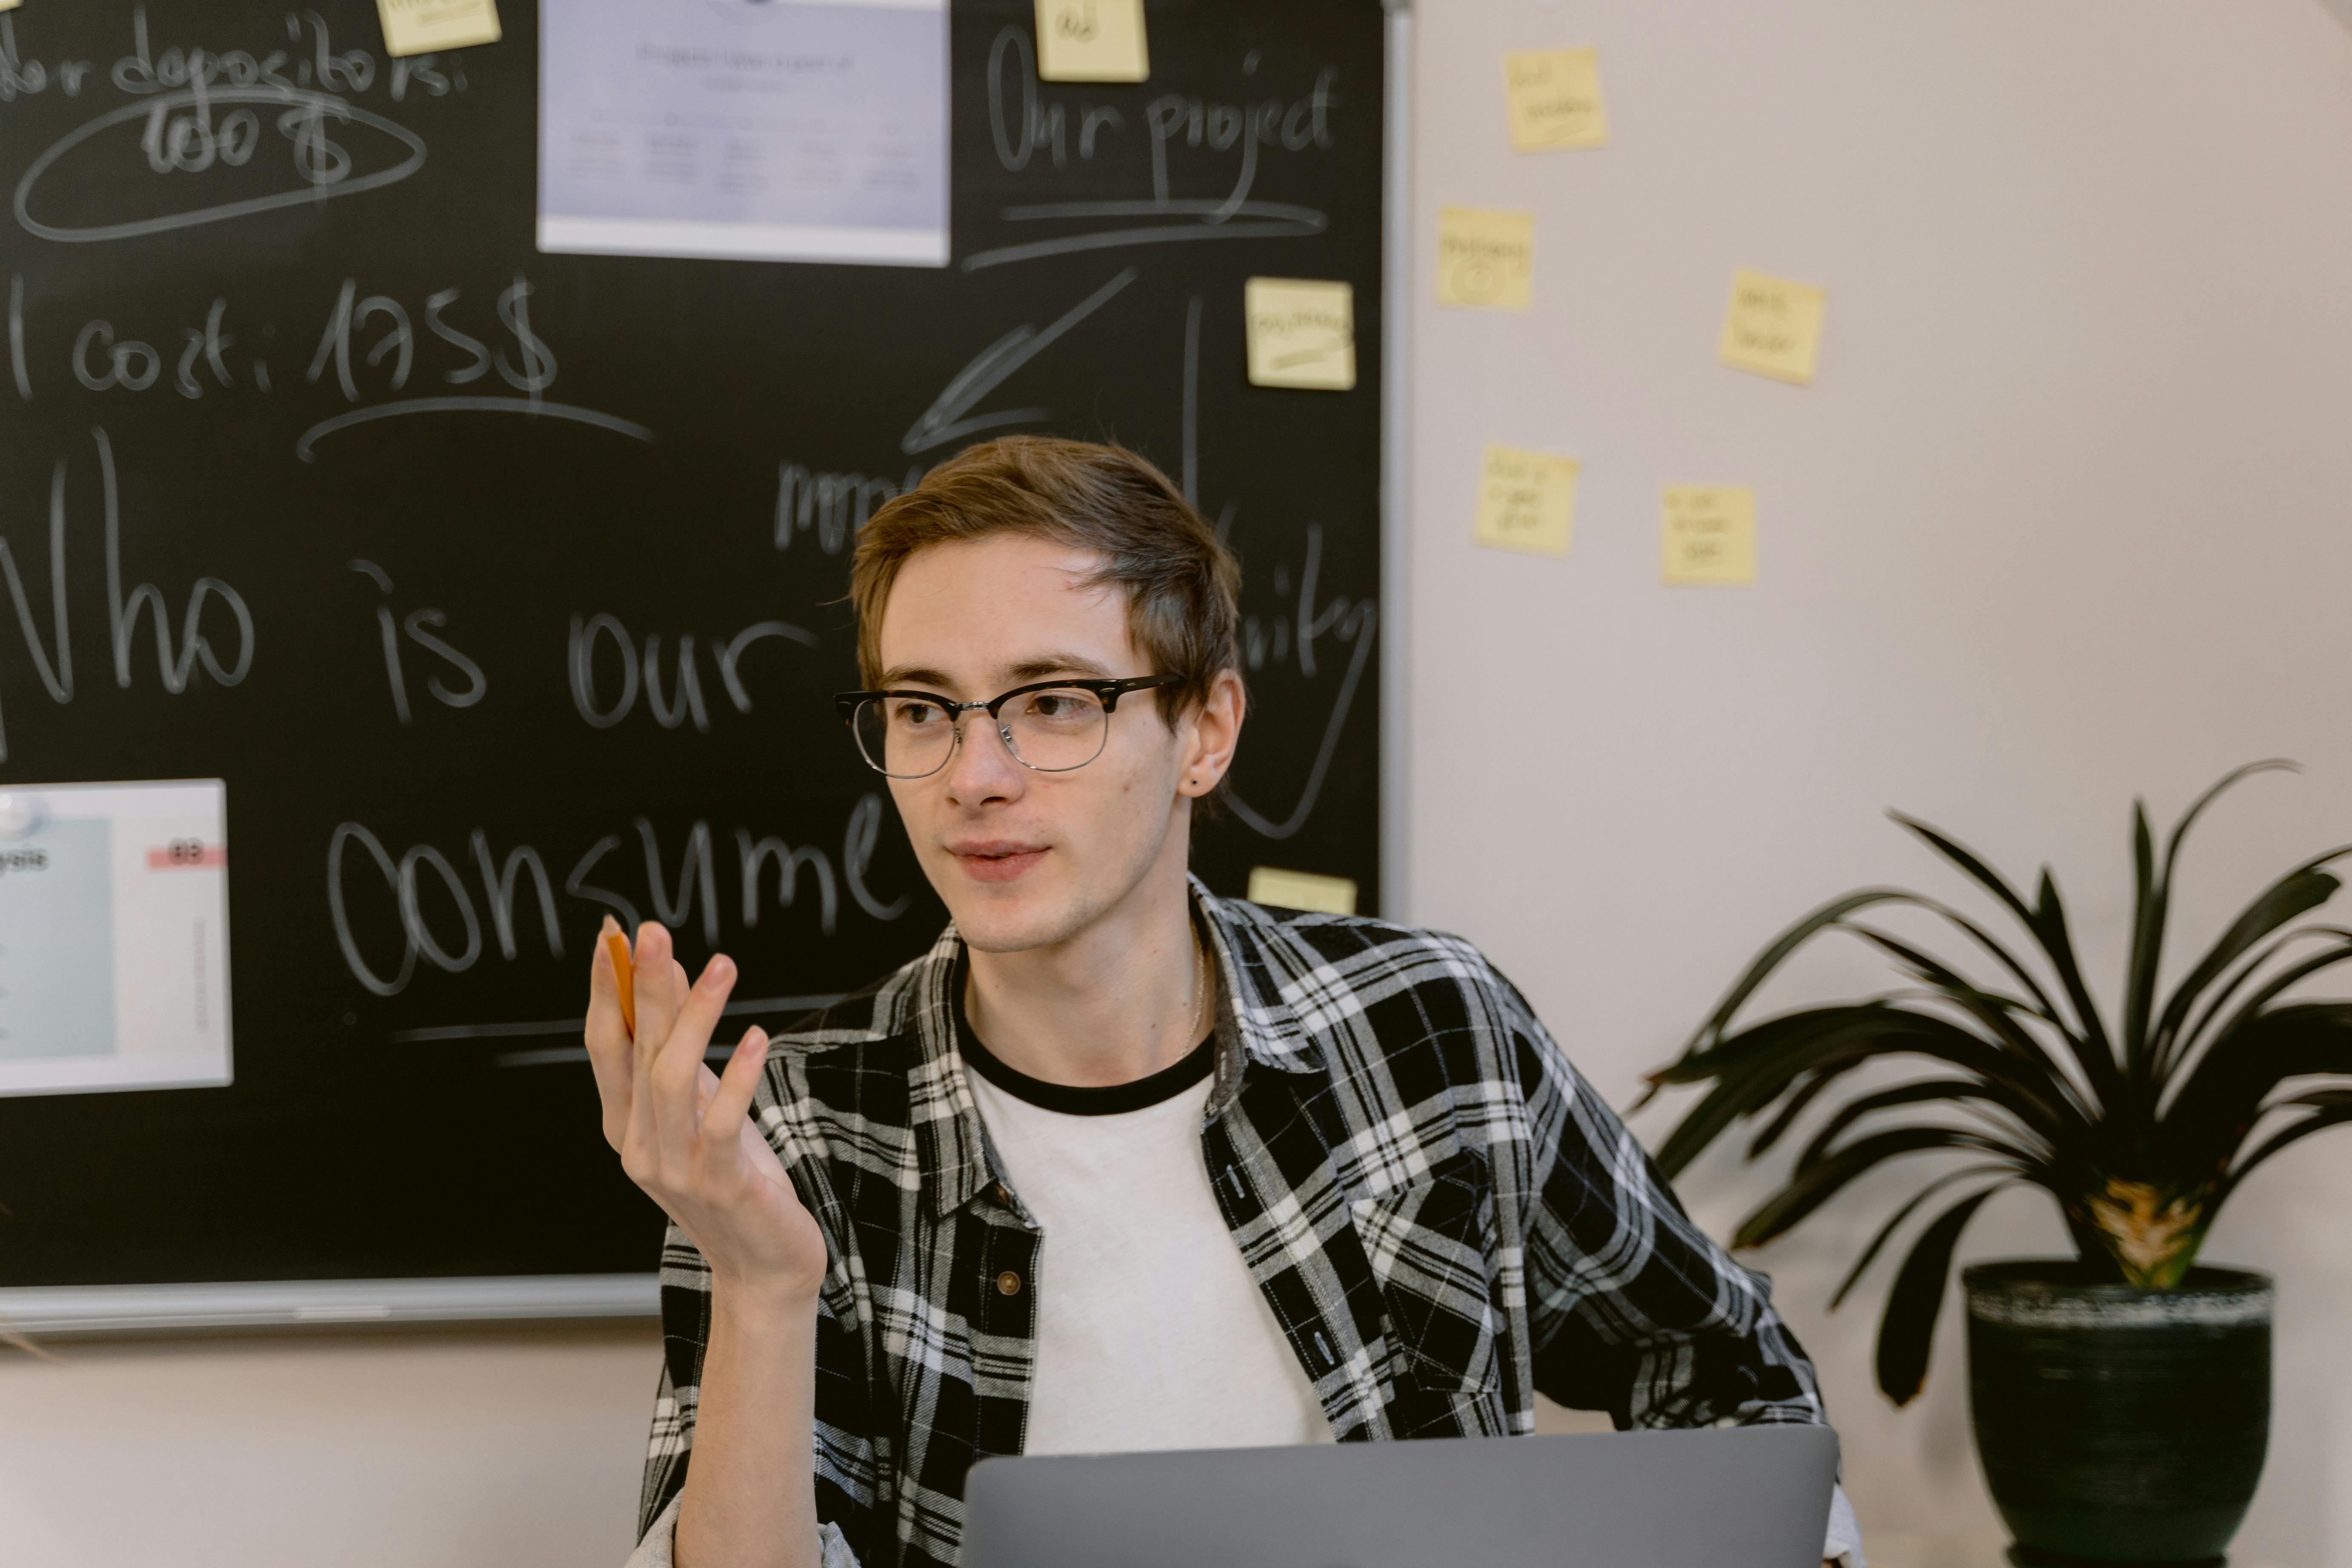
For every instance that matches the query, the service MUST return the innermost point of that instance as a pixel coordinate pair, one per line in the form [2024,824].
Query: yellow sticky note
[1484,258]
[1091,40]
[1773,327]
[10,4]
[1707,533]
[1554,99]
[1526,501]
[1302,890]
[1302,333]
[419,26]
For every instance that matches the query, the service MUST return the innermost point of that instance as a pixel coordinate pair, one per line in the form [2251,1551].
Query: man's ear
[1212,734]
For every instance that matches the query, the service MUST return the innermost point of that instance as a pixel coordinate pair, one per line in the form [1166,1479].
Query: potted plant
[2121,1397]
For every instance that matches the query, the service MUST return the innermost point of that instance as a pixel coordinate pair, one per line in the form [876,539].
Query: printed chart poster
[760,130]
[113,936]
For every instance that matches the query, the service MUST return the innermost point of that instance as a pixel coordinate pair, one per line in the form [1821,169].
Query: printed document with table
[113,936]
[757,129]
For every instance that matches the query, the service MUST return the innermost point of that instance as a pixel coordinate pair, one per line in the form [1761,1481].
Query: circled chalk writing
[323,166]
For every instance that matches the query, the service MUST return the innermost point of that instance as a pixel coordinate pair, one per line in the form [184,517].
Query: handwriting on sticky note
[1302,890]
[1302,333]
[1484,258]
[1526,501]
[419,26]
[1553,98]
[1091,40]
[1772,327]
[1707,533]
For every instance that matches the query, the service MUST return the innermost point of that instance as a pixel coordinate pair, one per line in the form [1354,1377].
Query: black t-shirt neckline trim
[1070,1100]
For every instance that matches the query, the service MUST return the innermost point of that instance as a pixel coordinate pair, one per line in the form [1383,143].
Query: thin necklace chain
[1202,988]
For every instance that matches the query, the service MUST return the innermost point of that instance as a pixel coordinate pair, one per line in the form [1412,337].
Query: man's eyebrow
[1040,667]
[909,675]
[1052,664]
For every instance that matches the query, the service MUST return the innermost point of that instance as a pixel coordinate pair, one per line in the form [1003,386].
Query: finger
[609,1052]
[678,1070]
[658,994]
[736,1086]
[656,1007]
[667,1131]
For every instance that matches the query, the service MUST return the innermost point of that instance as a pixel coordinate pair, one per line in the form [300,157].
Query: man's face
[1021,858]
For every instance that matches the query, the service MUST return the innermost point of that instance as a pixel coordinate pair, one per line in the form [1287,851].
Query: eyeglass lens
[1051,732]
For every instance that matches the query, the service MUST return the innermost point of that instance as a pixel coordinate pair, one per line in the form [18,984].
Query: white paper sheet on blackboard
[113,936]
[756,129]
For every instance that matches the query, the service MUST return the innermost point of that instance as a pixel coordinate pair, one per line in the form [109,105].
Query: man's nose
[984,767]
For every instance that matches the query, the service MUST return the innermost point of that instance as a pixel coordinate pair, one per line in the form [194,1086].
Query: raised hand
[684,1134]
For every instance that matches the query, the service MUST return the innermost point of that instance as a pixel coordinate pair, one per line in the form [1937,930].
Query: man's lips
[996,859]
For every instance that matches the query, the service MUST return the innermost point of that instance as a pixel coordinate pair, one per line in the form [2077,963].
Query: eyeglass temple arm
[1112,690]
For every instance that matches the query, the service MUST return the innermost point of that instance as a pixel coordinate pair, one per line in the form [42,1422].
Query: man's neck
[1118,1002]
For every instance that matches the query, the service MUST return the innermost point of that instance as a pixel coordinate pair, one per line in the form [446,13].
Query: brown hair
[1181,582]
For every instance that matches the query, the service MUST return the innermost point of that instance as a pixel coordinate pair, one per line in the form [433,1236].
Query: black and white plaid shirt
[1443,1217]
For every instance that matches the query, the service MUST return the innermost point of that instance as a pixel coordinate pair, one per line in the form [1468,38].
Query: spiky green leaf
[1819,1039]
[2150,896]
[2043,1007]
[1927,1091]
[1894,1222]
[2227,781]
[2336,1112]
[1815,1185]
[2226,1090]
[1906,1333]
[2049,922]
[1795,1104]
[1971,862]
[2086,1039]
[2295,894]
[2182,1045]
[2003,1017]
[1781,946]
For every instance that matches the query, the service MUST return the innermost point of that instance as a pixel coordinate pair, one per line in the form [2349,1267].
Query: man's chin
[1008,930]
[1014,919]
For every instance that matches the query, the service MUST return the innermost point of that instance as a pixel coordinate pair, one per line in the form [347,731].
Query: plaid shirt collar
[1254,1025]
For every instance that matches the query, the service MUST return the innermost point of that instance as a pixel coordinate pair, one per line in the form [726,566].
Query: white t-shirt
[1150,1333]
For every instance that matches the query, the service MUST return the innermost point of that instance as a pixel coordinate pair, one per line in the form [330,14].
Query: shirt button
[1008,1283]
[1003,1194]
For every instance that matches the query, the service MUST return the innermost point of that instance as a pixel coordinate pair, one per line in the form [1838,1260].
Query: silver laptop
[1744,1496]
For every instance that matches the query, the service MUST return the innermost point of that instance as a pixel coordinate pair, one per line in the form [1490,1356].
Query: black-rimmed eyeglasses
[1051,727]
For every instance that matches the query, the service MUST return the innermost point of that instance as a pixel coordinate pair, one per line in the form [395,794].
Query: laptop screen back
[1755,1497]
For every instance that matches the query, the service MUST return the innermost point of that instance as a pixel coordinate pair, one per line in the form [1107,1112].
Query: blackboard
[615,629]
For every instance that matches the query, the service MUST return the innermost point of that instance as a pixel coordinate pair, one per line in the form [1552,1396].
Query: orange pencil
[624,980]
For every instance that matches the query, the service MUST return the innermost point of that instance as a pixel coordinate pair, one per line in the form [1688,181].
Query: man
[1117,1164]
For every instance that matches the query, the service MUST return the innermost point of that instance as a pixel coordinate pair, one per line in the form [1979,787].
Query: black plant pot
[2116,1424]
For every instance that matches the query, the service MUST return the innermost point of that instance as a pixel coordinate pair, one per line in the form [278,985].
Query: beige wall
[516,1448]
[2067,516]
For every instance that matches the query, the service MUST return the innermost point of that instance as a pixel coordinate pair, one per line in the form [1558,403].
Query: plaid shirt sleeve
[1631,1308]
[686,1337]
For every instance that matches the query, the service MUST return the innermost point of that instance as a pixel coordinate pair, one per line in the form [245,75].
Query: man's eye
[1064,707]
[915,715]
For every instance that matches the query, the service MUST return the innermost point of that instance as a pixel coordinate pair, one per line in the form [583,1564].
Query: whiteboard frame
[91,1311]
[1396,403]
[88,1311]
